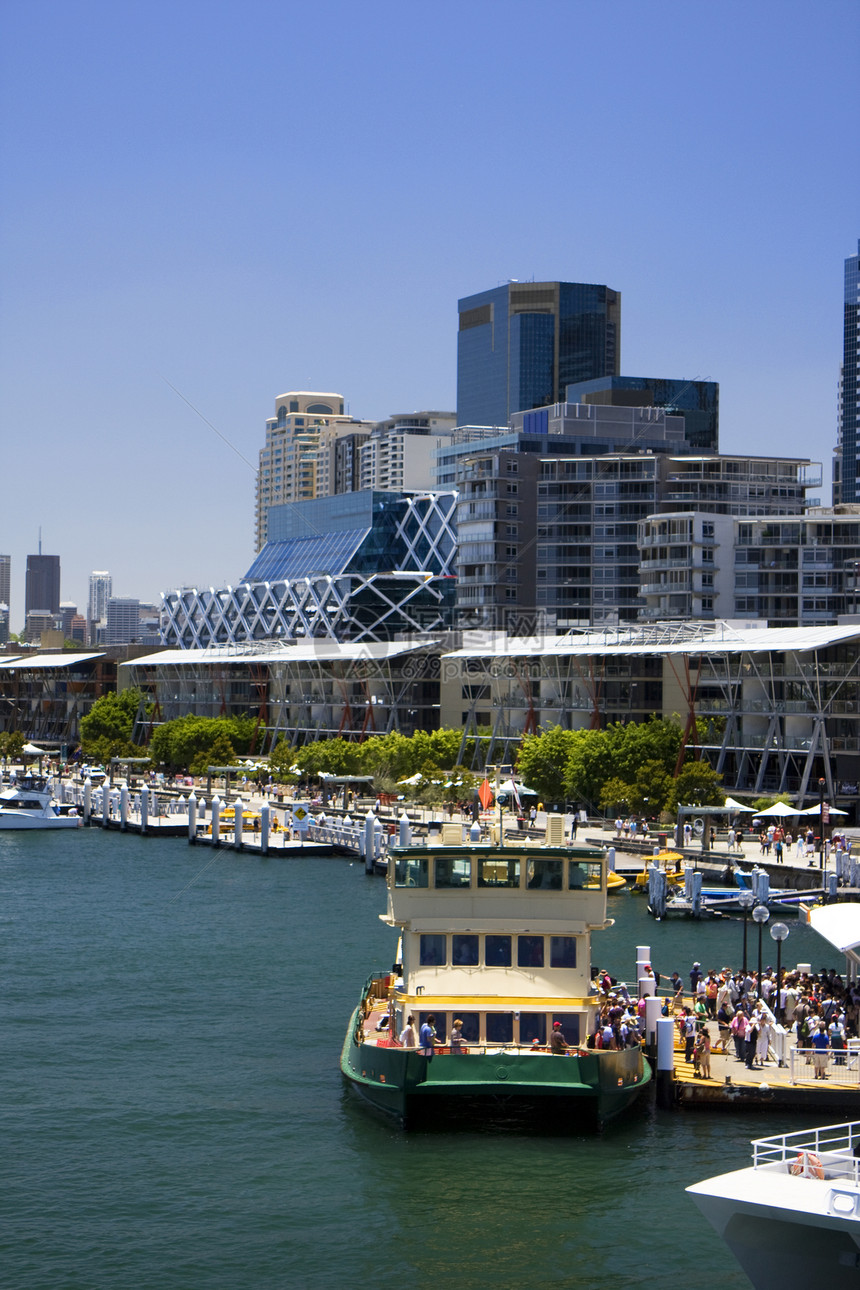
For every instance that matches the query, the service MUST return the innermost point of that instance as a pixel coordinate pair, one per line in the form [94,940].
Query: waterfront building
[45,695]
[42,586]
[846,463]
[698,402]
[520,345]
[362,566]
[297,461]
[301,690]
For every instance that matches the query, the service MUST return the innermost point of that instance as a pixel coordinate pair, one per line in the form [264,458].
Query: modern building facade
[122,620]
[365,566]
[400,452]
[846,464]
[698,402]
[42,587]
[520,345]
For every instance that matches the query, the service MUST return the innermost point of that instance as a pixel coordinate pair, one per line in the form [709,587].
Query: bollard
[696,892]
[238,807]
[610,860]
[665,1028]
[264,830]
[653,1011]
[144,810]
[123,808]
[216,820]
[105,804]
[405,831]
[192,817]
[832,886]
[369,828]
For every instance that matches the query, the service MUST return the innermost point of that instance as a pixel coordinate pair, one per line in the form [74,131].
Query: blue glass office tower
[698,402]
[846,486]
[519,346]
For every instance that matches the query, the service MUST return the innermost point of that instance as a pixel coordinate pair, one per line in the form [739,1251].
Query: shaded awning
[840,926]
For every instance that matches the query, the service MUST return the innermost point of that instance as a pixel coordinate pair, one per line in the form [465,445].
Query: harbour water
[173,1114]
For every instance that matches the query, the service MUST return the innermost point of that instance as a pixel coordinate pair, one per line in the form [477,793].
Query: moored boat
[495,952]
[792,1218]
[28,803]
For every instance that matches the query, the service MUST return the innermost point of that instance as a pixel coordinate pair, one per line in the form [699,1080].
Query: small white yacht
[27,802]
[792,1218]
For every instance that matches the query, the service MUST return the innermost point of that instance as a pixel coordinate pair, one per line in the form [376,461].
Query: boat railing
[842,1067]
[832,1151]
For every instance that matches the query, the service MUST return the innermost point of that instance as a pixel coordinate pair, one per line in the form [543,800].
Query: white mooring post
[88,799]
[144,810]
[665,1028]
[123,808]
[369,834]
[264,830]
[216,820]
[239,807]
[192,817]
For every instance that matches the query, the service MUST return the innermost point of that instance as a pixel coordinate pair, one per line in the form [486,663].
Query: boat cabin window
[499,873]
[497,951]
[440,1024]
[464,949]
[544,875]
[412,871]
[28,804]
[530,951]
[433,950]
[581,874]
[569,1026]
[471,1026]
[532,1027]
[453,871]
[500,1027]
[562,951]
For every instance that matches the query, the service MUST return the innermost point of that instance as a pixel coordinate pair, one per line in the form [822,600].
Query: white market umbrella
[779,809]
[739,806]
[816,810]
[32,751]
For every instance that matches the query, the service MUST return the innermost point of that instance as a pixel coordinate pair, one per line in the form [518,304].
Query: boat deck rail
[830,1152]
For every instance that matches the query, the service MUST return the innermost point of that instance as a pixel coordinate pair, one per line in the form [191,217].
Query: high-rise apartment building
[520,345]
[122,620]
[846,464]
[101,589]
[297,461]
[42,586]
[5,579]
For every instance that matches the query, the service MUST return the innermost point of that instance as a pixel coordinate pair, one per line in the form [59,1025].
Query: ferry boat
[792,1218]
[497,941]
[28,803]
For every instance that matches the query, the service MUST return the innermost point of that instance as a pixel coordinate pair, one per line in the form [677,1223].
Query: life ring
[807,1165]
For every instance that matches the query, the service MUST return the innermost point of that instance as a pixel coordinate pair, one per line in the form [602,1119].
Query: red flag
[485,794]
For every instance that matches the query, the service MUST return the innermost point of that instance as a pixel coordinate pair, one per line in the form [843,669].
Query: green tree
[543,760]
[219,753]
[697,785]
[107,728]
[652,788]
[177,744]
[591,763]
[616,795]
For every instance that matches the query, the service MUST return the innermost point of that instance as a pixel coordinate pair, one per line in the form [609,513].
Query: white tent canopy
[30,750]
[840,925]
[816,810]
[779,809]
[739,806]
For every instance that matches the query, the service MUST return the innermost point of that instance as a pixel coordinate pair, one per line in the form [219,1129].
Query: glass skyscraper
[520,345]
[846,487]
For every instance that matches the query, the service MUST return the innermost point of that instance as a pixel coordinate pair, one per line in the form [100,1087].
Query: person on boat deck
[408,1037]
[457,1045]
[557,1041]
[427,1037]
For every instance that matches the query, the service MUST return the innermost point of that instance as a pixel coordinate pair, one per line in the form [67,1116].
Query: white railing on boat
[836,1147]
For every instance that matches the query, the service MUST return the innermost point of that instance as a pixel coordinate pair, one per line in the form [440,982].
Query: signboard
[825,813]
[301,819]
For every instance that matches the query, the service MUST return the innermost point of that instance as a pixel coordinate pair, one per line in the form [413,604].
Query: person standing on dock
[820,1046]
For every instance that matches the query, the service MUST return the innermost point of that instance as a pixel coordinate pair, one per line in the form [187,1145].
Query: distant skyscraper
[846,472]
[122,620]
[42,587]
[5,579]
[519,346]
[101,586]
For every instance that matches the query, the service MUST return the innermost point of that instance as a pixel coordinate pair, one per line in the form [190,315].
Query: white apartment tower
[101,587]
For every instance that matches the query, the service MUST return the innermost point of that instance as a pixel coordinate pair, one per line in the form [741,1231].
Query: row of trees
[623,768]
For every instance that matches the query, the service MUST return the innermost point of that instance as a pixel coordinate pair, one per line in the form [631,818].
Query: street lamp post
[746,900]
[761,914]
[821,787]
[779,932]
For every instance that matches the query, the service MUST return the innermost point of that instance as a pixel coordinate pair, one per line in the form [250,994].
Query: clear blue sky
[241,199]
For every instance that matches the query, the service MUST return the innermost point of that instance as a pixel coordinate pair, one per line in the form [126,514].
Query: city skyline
[170,259]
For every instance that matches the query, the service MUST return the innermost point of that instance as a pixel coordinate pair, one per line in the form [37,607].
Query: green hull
[572,1093]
